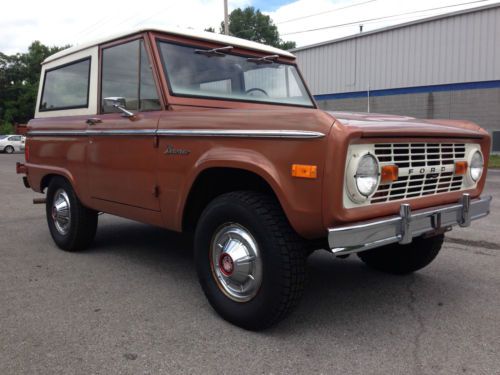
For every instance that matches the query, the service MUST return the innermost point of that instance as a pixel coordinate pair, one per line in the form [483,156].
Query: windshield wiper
[220,51]
[263,60]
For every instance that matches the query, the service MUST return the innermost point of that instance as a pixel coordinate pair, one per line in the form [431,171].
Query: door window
[127,75]
[15,138]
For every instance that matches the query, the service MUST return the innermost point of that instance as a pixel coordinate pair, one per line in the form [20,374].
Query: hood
[381,125]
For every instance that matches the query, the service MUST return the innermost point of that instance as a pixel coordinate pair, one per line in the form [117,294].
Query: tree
[251,24]
[6,128]
[19,78]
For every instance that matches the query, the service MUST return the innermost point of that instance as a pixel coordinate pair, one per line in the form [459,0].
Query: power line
[93,26]
[381,18]
[103,22]
[328,11]
[154,15]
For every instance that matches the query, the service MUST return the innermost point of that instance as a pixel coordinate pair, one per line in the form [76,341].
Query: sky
[62,22]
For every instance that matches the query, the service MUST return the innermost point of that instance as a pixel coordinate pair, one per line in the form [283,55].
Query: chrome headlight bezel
[476,165]
[353,175]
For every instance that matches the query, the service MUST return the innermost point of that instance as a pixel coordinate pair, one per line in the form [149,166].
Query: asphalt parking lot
[132,305]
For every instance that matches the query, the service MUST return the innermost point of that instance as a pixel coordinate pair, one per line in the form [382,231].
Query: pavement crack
[417,362]
[473,243]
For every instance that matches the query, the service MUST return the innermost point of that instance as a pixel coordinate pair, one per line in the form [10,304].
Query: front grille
[416,179]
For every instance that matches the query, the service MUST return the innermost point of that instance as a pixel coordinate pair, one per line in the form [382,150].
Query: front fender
[299,198]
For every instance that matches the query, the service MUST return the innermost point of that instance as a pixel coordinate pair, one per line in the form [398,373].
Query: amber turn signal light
[304,171]
[389,173]
[460,167]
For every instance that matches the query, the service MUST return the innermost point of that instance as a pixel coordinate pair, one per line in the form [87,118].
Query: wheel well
[214,182]
[46,181]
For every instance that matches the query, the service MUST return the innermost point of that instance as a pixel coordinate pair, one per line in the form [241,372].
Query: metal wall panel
[454,49]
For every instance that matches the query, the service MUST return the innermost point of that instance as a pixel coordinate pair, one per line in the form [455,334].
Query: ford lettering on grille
[426,170]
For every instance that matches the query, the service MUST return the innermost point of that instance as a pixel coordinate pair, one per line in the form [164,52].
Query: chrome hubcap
[61,214]
[236,262]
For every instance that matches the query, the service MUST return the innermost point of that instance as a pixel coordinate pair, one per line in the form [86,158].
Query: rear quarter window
[66,86]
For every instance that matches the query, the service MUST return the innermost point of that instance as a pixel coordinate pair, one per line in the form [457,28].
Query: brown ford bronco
[219,136]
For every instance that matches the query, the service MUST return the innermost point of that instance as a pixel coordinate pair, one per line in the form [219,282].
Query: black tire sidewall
[56,184]
[260,308]
[70,241]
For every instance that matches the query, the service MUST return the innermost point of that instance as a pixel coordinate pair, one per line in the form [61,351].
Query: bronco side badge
[171,150]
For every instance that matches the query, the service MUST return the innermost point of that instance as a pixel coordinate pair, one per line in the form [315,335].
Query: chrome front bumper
[404,227]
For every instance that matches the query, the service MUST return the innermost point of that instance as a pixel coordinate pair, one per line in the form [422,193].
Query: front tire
[250,262]
[403,259]
[72,225]
[9,150]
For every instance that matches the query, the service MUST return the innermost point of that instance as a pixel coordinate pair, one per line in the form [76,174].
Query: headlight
[476,166]
[367,175]
[362,177]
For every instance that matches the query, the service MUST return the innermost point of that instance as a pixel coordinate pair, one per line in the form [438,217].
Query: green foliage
[494,161]
[6,128]
[19,77]
[251,24]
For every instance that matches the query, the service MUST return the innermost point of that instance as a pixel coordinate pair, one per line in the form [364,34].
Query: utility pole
[226,19]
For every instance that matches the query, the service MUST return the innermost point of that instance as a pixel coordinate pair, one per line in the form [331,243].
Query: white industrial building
[446,66]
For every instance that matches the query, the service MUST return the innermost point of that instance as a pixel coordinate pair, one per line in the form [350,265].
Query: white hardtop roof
[203,35]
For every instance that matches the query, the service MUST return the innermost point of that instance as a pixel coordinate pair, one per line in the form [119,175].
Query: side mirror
[119,103]
[114,101]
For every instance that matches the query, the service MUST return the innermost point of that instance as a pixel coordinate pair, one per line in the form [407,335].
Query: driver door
[121,152]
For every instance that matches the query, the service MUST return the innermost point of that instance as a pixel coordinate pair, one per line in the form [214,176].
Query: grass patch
[494,161]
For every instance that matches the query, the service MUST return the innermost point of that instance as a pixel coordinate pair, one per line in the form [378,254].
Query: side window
[15,138]
[66,87]
[126,74]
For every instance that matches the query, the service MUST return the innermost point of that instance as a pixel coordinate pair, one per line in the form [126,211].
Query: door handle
[93,121]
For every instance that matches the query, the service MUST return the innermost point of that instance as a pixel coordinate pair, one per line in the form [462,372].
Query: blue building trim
[412,90]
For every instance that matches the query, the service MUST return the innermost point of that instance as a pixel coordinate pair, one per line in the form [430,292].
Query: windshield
[3,136]
[209,73]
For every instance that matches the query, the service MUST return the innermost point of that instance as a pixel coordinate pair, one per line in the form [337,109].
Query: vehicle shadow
[133,236]
[337,290]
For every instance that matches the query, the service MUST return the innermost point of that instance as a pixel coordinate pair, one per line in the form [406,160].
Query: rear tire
[9,150]
[71,225]
[403,259]
[263,278]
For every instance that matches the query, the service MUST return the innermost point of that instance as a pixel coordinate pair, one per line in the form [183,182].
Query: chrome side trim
[240,133]
[125,132]
[57,133]
[236,133]
[404,227]
[73,133]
